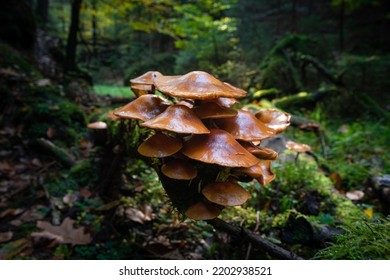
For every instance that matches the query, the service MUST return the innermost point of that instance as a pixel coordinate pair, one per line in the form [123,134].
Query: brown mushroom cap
[179,119]
[245,127]
[179,169]
[218,147]
[160,145]
[259,152]
[97,125]
[226,193]
[143,108]
[212,110]
[141,89]
[147,78]
[202,211]
[274,119]
[297,147]
[225,101]
[267,175]
[196,85]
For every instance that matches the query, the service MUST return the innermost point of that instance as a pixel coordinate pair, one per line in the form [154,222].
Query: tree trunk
[341,27]
[71,47]
[42,11]
[94,28]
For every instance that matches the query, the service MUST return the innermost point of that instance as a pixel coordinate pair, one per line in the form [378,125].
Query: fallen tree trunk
[269,247]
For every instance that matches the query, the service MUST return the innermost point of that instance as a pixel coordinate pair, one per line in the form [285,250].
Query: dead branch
[271,248]
[60,154]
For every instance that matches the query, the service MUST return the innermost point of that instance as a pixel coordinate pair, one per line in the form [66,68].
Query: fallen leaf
[64,233]
[355,195]
[51,132]
[135,215]
[84,192]
[13,248]
[11,212]
[5,236]
[70,198]
[35,213]
[369,212]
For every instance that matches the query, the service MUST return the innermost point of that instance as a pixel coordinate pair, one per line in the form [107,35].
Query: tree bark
[71,47]
[42,11]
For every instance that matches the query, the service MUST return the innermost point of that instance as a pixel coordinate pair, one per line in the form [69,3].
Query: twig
[60,154]
[255,239]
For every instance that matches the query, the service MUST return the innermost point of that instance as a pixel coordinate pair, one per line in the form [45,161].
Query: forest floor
[86,201]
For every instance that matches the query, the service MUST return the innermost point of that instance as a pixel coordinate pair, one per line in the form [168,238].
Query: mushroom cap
[147,78]
[245,127]
[212,110]
[197,85]
[267,175]
[160,145]
[218,147]
[274,119]
[179,119]
[259,152]
[297,147]
[179,169]
[141,89]
[97,125]
[202,211]
[225,101]
[143,108]
[226,193]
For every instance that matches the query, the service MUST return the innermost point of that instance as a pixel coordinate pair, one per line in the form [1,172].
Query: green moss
[363,240]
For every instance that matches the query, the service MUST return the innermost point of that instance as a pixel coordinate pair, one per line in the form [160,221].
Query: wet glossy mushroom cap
[212,110]
[147,78]
[267,175]
[97,125]
[225,101]
[226,193]
[179,169]
[218,147]
[202,211]
[297,147]
[160,145]
[274,119]
[259,152]
[245,127]
[197,85]
[140,89]
[143,108]
[178,119]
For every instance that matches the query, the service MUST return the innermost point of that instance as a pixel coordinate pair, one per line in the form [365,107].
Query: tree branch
[271,248]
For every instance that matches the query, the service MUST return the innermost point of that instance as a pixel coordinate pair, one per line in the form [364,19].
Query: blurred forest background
[67,63]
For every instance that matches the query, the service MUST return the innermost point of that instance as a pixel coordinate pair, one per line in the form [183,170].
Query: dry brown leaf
[63,234]
[5,236]
[84,192]
[51,132]
[35,213]
[70,198]
[11,212]
[13,248]
[135,215]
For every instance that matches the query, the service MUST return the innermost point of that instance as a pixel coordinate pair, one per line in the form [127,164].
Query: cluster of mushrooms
[200,145]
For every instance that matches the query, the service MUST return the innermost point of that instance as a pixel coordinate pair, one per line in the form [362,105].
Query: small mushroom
[261,172]
[140,89]
[143,108]
[160,145]
[178,119]
[212,110]
[179,169]
[297,147]
[218,147]
[202,211]
[99,132]
[245,127]
[226,193]
[197,85]
[274,119]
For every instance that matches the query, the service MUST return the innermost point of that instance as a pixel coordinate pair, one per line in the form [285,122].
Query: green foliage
[111,90]
[45,108]
[363,240]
